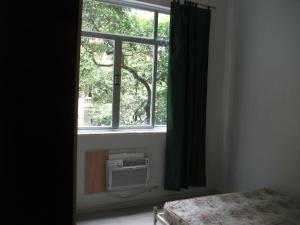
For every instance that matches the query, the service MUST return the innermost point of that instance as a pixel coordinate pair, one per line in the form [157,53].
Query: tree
[96,66]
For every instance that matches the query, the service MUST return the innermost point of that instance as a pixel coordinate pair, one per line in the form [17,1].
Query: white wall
[153,143]
[265,135]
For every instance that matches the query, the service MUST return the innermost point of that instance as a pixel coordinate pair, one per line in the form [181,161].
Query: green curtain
[187,91]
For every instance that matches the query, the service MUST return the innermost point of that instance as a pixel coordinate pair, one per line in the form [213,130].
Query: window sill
[122,131]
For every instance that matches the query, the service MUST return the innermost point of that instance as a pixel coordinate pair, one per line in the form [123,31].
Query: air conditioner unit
[128,173]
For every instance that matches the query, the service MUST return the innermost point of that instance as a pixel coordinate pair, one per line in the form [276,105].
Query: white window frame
[119,39]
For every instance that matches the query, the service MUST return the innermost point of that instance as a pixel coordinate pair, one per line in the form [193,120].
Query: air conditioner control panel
[115,163]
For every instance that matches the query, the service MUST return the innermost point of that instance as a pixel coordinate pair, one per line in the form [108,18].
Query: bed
[259,207]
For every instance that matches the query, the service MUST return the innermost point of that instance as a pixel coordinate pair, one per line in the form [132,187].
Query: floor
[142,215]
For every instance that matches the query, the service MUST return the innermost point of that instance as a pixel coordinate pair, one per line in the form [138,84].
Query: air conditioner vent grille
[127,173]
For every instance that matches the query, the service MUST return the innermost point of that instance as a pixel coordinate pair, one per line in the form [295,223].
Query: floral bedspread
[259,207]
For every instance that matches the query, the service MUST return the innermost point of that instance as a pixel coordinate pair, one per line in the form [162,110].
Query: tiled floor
[130,216]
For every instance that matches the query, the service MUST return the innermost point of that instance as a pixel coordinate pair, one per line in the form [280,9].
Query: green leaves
[107,18]
[136,84]
[97,69]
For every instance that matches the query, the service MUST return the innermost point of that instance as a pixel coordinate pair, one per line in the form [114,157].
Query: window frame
[118,41]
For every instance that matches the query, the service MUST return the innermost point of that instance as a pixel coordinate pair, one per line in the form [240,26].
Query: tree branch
[146,85]
[140,79]
[94,60]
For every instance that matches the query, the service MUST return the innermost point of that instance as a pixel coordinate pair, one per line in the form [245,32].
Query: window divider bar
[154,75]
[155,25]
[123,38]
[117,86]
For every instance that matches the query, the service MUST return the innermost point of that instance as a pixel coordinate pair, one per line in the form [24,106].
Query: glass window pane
[163,26]
[161,86]
[95,82]
[136,84]
[108,18]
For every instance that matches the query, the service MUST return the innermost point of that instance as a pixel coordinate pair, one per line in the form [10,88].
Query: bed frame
[159,217]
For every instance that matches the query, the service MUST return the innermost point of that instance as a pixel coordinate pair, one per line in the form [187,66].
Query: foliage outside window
[123,66]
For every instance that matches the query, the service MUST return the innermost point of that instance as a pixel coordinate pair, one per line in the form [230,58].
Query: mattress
[259,207]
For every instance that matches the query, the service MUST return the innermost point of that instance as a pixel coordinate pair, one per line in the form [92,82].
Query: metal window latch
[117,79]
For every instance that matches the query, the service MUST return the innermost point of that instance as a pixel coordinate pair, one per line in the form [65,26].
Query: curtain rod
[197,3]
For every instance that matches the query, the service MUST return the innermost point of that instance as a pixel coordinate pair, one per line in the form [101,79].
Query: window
[123,66]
